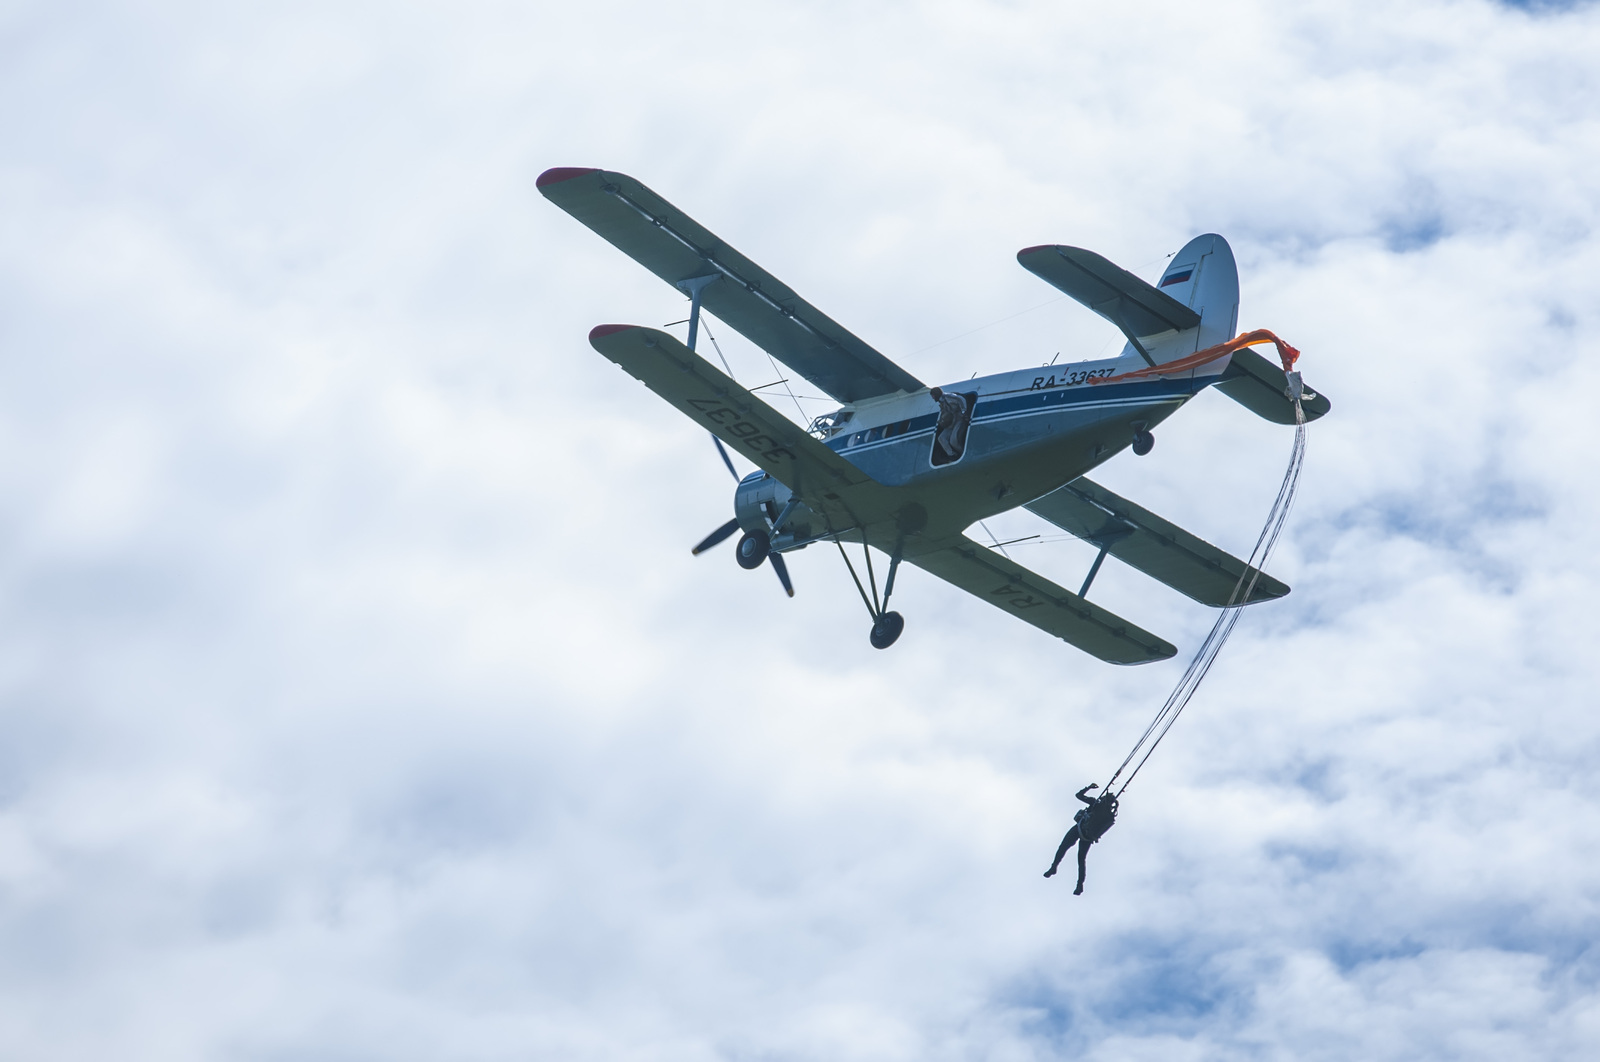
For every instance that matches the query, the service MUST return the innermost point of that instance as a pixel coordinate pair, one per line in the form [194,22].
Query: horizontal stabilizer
[678,249]
[1135,306]
[1261,387]
[1143,540]
[1031,597]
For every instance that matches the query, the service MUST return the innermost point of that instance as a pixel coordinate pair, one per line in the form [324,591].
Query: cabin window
[874,434]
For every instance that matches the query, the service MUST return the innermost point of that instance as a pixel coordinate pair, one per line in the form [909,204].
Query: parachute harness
[1178,699]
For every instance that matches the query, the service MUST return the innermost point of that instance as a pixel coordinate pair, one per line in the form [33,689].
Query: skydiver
[1089,825]
[952,410]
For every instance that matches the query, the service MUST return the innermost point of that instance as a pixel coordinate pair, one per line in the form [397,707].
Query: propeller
[722,533]
[782,569]
[725,458]
[716,536]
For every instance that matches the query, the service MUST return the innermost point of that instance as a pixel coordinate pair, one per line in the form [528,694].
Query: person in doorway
[952,415]
[1088,826]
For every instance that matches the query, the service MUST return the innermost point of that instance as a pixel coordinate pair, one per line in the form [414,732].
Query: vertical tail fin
[1204,278]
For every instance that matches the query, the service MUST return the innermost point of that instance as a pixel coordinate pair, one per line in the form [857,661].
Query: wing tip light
[558,174]
[601,331]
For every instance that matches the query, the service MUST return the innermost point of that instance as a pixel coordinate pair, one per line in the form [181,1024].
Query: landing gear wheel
[887,630]
[752,549]
[1143,442]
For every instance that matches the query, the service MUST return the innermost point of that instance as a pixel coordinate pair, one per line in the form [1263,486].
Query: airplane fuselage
[1032,431]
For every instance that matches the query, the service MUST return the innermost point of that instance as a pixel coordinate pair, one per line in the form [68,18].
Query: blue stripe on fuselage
[1028,403]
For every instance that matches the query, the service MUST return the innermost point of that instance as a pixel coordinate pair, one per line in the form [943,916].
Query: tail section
[1194,306]
[1204,278]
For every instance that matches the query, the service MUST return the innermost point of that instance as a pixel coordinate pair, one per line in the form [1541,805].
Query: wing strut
[1121,322]
[694,286]
[1094,570]
[1105,540]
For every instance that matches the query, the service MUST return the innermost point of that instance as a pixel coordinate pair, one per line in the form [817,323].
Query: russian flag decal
[1178,278]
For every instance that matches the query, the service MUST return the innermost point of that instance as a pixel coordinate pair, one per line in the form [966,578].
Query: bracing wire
[991,324]
[1206,655]
[1001,546]
[717,346]
[784,381]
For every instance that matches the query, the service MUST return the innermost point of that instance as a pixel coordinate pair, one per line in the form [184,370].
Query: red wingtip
[601,331]
[562,173]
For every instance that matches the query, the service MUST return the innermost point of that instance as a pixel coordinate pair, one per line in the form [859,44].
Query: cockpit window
[828,425]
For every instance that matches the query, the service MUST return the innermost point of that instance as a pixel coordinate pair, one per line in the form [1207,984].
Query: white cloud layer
[360,699]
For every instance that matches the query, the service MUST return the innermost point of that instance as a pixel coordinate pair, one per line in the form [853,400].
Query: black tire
[1143,442]
[752,550]
[887,630]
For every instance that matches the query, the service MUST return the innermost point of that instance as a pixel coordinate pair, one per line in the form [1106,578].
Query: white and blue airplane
[897,469]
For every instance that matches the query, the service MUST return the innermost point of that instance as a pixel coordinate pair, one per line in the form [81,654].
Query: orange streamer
[1286,354]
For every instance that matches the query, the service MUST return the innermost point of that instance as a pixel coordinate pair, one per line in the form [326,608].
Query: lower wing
[1161,549]
[1036,600]
[826,482]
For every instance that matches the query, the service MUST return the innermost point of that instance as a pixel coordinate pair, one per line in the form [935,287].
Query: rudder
[1204,277]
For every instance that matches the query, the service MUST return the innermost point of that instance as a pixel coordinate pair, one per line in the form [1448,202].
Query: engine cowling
[759,500]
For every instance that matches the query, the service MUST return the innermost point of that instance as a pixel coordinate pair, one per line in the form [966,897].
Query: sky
[360,698]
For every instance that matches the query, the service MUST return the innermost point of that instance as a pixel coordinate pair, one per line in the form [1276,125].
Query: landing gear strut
[1143,441]
[886,625]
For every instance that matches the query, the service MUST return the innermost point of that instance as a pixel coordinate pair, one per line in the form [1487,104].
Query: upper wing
[1144,541]
[1051,608]
[675,248]
[1134,306]
[1259,386]
[821,478]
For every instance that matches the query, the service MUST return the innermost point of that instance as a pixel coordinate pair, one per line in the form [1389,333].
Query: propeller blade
[725,459]
[783,572]
[716,536]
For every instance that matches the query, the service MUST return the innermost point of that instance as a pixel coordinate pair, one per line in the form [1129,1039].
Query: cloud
[360,696]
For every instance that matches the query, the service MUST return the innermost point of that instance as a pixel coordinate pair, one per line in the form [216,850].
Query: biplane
[907,469]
